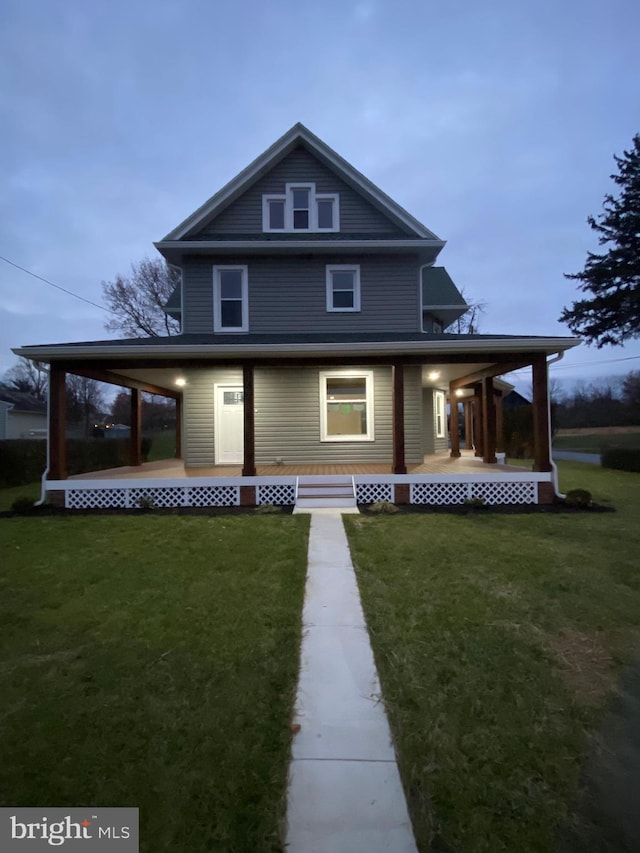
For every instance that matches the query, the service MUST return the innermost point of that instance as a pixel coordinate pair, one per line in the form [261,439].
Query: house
[21,415]
[314,340]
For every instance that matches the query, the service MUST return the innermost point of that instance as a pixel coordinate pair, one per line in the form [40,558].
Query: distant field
[596,442]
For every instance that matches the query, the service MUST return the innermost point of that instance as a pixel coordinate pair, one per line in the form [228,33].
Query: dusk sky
[495,124]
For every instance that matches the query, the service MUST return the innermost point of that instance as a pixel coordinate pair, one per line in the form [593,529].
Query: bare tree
[85,400]
[28,377]
[137,301]
[469,323]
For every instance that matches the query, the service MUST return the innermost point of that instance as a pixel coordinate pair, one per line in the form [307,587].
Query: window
[438,397]
[346,406]
[230,299]
[343,287]
[300,208]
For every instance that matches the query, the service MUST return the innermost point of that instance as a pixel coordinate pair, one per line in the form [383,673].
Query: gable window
[346,406]
[438,397]
[300,208]
[343,287]
[230,299]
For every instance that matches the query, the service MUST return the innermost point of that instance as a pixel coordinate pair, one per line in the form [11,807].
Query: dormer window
[300,209]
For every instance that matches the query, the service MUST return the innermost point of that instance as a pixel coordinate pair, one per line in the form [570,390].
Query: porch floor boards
[438,463]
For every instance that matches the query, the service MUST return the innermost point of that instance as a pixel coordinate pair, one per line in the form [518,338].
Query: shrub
[146,502]
[383,507]
[22,460]
[578,497]
[622,458]
[22,504]
[475,503]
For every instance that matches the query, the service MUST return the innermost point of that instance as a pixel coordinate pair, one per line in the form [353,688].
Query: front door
[229,425]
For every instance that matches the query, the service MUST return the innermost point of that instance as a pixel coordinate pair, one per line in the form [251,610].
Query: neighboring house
[21,415]
[314,332]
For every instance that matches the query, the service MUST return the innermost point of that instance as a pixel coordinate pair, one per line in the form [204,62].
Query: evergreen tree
[611,314]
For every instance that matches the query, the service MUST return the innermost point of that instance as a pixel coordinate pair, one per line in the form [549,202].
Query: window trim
[439,414]
[329,270]
[217,313]
[367,375]
[287,198]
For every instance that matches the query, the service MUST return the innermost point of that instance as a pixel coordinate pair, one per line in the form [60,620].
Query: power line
[563,366]
[57,286]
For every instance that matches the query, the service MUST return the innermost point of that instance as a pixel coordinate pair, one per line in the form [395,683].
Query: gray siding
[198,418]
[430,443]
[288,294]
[287,406]
[244,216]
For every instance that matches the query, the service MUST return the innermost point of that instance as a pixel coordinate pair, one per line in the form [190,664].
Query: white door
[229,425]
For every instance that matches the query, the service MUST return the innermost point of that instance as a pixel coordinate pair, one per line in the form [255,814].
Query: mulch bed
[489,509]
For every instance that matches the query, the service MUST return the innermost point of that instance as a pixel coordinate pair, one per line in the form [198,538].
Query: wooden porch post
[178,427]
[57,423]
[468,424]
[542,450]
[478,433]
[488,421]
[399,466]
[135,436]
[249,467]
[454,429]
[499,422]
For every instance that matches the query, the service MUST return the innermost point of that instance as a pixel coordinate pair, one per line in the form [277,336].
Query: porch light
[459,392]
[181,381]
[435,374]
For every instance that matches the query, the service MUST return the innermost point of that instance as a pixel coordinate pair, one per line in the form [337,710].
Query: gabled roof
[21,401]
[299,135]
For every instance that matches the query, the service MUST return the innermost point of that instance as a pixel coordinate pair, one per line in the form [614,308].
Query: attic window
[300,208]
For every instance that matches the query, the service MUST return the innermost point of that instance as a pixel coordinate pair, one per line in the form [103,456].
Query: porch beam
[399,465]
[135,434]
[454,428]
[488,421]
[249,466]
[57,423]
[489,372]
[101,374]
[542,449]
[478,431]
[505,360]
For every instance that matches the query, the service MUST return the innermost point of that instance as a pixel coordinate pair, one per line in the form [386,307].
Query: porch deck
[439,463]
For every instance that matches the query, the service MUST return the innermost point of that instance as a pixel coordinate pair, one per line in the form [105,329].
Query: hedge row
[23,460]
[622,458]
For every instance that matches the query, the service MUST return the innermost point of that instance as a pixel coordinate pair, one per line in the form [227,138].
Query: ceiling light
[181,382]
[435,374]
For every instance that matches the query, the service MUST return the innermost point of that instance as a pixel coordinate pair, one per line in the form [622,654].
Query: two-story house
[314,341]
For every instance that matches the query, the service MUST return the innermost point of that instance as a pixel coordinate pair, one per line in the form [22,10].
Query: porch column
[499,422]
[57,423]
[249,467]
[135,435]
[488,421]
[398,466]
[542,450]
[178,427]
[454,429]
[468,424]
[478,432]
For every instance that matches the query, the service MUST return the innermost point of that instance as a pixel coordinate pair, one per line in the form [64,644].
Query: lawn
[596,442]
[10,494]
[498,640]
[152,661]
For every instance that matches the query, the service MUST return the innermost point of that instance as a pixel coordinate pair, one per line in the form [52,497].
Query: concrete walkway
[345,794]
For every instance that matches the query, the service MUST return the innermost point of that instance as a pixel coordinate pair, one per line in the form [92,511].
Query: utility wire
[563,366]
[57,286]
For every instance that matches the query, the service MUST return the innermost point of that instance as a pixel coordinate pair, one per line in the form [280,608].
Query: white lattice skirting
[155,496]
[440,494]
[370,493]
[276,494]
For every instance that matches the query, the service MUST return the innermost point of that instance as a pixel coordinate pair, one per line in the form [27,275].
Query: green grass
[163,445]
[498,639]
[152,662]
[594,443]
[9,495]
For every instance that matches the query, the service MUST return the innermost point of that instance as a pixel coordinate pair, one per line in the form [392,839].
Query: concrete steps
[316,492]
